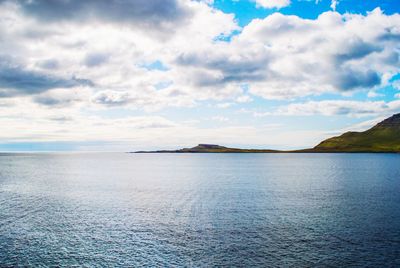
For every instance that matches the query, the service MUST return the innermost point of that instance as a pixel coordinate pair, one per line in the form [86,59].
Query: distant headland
[211,148]
[382,138]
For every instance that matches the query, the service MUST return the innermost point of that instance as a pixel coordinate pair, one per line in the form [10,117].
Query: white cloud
[272,3]
[284,57]
[30,122]
[334,4]
[279,57]
[244,99]
[108,54]
[220,118]
[374,94]
[339,107]
[225,105]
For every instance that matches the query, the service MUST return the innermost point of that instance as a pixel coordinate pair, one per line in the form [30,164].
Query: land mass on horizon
[382,138]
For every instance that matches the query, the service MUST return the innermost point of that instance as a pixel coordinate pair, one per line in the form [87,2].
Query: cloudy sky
[122,75]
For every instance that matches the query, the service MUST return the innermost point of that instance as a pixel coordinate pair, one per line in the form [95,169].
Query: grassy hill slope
[384,137]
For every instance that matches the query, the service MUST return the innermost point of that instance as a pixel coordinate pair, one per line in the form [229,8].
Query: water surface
[269,210]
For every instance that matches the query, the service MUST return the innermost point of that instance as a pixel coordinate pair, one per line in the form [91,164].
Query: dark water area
[200,210]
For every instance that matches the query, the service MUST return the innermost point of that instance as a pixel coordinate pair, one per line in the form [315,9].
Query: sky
[112,75]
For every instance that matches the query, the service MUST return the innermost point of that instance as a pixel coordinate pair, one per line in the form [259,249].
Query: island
[211,148]
[382,138]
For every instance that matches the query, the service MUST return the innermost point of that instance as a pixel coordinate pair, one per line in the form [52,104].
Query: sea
[199,210]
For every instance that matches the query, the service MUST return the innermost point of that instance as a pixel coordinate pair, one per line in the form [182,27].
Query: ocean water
[200,210]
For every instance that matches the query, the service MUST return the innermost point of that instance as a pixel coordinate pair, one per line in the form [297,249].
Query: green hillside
[384,137]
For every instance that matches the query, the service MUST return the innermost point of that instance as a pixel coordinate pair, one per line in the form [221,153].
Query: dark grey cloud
[156,14]
[15,80]
[348,79]
[357,50]
[112,98]
[241,70]
[47,101]
[345,78]
[390,34]
[53,101]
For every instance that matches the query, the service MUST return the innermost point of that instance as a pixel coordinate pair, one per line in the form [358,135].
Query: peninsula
[382,138]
